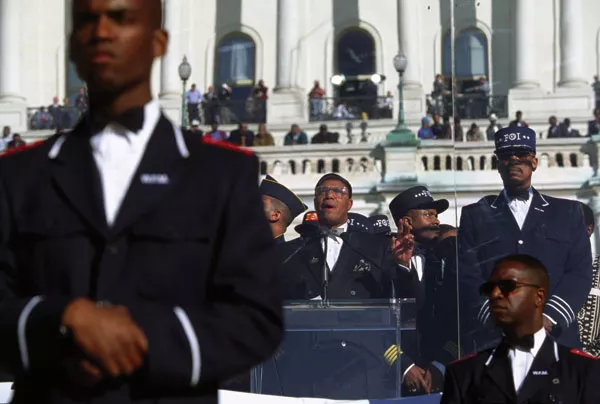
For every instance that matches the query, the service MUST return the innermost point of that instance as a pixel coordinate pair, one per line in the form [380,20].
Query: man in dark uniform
[528,366]
[129,272]
[281,206]
[348,365]
[360,264]
[437,318]
[521,220]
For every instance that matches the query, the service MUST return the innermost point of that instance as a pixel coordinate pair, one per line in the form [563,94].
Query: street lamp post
[185,71]
[401,135]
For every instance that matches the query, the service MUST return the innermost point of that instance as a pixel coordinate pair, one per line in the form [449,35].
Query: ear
[160,43]
[274,216]
[534,164]
[350,203]
[540,298]
[408,219]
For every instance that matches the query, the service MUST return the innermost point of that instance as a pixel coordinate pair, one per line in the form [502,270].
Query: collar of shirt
[515,200]
[343,228]
[136,141]
[538,340]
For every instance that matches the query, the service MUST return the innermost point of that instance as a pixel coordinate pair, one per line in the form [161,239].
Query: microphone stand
[325,271]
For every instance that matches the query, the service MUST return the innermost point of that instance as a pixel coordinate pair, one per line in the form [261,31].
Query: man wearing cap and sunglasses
[415,212]
[520,220]
[528,366]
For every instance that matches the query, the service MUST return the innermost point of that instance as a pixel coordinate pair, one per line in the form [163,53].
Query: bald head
[534,268]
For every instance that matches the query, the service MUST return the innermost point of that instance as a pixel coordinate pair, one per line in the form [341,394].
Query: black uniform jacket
[365,269]
[553,231]
[189,254]
[557,375]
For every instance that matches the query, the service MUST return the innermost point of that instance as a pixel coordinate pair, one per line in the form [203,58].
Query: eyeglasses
[506,286]
[519,155]
[338,192]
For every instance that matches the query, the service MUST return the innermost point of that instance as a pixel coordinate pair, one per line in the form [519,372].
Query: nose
[496,294]
[103,28]
[436,221]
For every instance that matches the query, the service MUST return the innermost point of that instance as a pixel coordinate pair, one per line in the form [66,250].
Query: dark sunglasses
[506,286]
[520,155]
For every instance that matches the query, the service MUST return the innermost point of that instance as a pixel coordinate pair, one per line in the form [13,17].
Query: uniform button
[343,344]
[555,380]
[113,249]
[520,242]
[352,292]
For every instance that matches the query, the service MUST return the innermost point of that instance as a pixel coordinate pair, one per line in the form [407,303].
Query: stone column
[10,46]
[525,46]
[571,44]
[13,109]
[287,41]
[170,83]
[408,26]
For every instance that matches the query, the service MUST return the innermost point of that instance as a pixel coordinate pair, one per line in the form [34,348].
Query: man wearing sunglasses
[520,220]
[528,366]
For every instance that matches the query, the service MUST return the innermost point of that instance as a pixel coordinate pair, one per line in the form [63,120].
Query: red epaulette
[584,354]
[22,148]
[226,145]
[463,358]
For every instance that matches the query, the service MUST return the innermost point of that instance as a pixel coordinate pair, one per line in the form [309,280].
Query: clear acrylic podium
[343,350]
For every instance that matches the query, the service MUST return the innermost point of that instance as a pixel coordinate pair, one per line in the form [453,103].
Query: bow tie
[524,343]
[520,194]
[132,120]
[334,232]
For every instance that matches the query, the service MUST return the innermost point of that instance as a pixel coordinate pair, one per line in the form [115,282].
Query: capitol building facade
[537,56]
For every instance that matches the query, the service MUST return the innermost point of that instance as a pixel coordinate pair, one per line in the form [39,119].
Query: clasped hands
[113,344]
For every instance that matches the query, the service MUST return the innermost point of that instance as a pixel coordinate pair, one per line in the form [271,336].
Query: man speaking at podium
[359,265]
[341,264]
[129,272]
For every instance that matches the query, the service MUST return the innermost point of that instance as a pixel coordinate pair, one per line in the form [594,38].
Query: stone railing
[479,156]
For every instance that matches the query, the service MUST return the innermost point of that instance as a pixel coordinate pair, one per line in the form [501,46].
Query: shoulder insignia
[584,354]
[16,150]
[226,145]
[463,358]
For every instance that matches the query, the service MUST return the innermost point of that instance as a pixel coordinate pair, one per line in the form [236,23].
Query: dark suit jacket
[437,317]
[236,138]
[554,232]
[193,240]
[557,375]
[365,269]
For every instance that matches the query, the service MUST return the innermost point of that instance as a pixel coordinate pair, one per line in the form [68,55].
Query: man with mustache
[360,265]
[520,220]
[416,210]
[528,366]
[129,271]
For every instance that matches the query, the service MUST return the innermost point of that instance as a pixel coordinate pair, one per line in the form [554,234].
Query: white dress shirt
[118,153]
[521,360]
[519,208]
[334,247]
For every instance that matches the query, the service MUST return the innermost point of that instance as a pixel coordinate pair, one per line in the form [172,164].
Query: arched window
[236,56]
[355,53]
[470,55]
